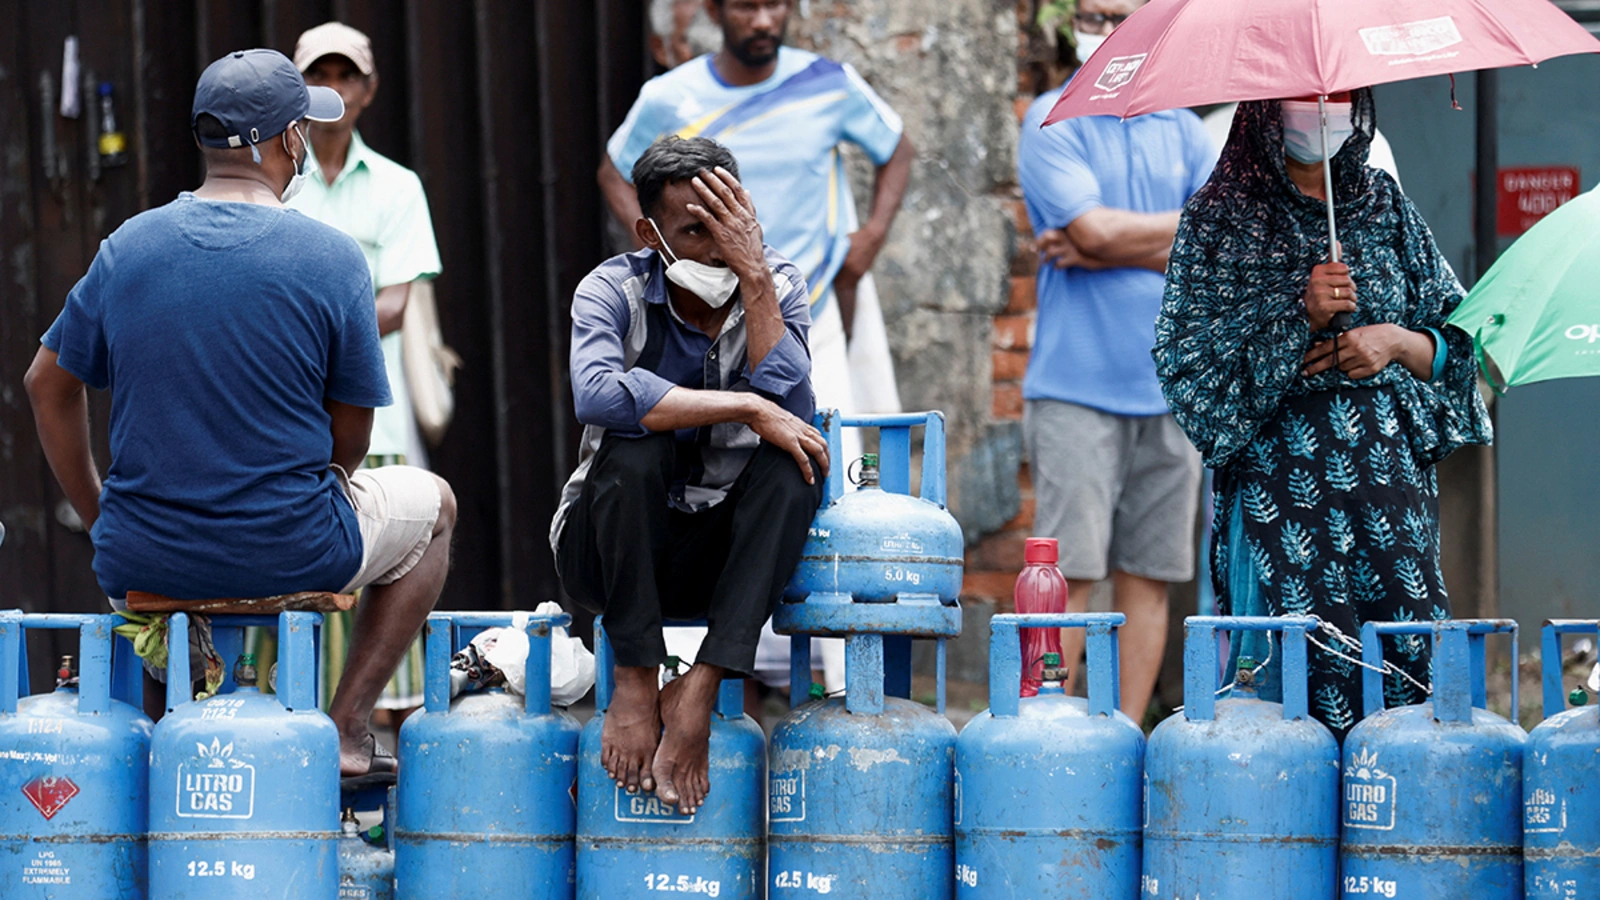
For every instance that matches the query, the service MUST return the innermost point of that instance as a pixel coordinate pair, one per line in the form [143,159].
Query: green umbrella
[1536,315]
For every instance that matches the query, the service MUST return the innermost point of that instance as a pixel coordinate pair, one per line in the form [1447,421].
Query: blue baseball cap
[256,95]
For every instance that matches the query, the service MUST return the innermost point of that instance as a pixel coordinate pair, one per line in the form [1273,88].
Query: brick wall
[993,563]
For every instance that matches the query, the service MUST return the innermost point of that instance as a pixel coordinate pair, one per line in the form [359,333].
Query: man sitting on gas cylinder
[239,343]
[700,471]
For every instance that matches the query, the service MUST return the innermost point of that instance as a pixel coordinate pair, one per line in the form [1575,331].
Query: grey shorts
[1118,492]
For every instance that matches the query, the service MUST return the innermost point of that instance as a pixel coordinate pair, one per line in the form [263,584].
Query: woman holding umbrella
[1323,442]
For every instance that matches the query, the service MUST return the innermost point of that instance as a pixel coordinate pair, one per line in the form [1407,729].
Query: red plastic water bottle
[1041,588]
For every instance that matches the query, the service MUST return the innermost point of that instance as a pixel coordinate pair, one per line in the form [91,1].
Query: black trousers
[628,555]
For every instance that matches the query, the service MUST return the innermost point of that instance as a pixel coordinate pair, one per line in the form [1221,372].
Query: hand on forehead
[675,199]
[677,195]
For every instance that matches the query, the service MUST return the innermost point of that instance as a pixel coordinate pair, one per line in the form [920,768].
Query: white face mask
[1302,129]
[1087,43]
[713,284]
[301,169]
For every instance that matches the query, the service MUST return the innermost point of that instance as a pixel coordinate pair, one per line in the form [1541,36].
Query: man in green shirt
[375,200]
[381,204]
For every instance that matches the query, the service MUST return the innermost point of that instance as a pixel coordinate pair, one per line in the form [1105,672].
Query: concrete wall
[948,67]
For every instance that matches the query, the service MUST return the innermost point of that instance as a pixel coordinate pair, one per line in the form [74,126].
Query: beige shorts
[397,507]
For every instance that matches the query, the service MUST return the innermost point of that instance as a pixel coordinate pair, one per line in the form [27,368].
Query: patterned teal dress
[1326,499]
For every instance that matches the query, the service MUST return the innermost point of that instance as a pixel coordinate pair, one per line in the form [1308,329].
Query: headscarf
[1232,333]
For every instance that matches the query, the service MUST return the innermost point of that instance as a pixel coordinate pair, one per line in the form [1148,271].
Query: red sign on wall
[1529,194]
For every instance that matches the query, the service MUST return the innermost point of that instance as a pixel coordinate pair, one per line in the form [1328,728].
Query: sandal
[380,770]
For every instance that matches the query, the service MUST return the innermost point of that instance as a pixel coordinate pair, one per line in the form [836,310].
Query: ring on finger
[1338,293]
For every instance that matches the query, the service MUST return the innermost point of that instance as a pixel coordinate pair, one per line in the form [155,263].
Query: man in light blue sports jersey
[1116,480]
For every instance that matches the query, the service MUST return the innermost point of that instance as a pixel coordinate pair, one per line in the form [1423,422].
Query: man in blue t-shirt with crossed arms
[240,345]
[1116,480]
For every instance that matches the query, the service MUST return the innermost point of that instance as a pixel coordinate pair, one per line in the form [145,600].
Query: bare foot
[632,728]
[355,756]
[683,765]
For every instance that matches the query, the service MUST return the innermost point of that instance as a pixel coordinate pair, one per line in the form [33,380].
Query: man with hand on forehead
[700,471]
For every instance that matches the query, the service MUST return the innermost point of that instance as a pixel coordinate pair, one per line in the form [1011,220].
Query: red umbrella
[1181,53]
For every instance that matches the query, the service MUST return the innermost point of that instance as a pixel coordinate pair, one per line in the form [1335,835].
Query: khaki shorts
[397,507]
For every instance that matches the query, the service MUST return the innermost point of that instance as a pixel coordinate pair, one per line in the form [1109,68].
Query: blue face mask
[1302,130]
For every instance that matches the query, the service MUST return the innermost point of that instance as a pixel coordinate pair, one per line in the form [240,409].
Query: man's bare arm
[888,190]
[687,408]
[620,196]
[1122,237]
[392,308]
[1057,248]
[61,415]
[1155,262]
[352,433]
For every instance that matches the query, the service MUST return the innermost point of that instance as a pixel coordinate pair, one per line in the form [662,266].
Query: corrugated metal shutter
[1585,11]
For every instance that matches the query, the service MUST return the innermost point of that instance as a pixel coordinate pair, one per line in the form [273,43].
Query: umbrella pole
[1342,321]
[1327,179]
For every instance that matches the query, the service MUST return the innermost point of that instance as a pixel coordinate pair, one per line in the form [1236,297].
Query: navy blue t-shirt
[219,329]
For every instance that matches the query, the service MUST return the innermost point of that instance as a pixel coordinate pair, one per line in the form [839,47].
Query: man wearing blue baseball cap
[240,345]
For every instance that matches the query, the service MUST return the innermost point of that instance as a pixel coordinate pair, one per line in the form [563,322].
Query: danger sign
[1529,194]
[48,793]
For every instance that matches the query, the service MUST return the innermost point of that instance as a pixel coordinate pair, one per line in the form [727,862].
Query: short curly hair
[674,158]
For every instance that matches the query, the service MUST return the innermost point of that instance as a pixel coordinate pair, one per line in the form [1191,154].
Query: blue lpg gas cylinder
[1241,794]
[878,544]
[366,870]
[1432,794]
[485,783]
[1561,785]
[1049,791]
[636,845]
[859,795]
[72,774]
[244,786]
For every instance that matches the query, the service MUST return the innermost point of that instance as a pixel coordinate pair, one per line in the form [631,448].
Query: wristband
[1440,351]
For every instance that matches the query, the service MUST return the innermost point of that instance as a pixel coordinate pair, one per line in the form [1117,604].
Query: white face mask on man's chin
[712,284]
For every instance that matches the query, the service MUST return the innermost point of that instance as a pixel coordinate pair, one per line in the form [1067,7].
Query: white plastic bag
[571,663]
[506,650]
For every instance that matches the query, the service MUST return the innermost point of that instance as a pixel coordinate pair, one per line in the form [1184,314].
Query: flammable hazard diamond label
[48,793]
